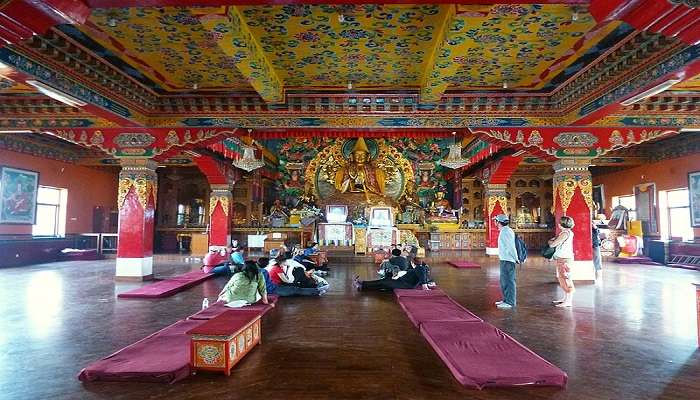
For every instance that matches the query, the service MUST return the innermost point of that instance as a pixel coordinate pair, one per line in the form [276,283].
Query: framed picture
[18,191]
[694,192]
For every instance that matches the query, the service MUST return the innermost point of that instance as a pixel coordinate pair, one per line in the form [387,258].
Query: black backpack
[521,249]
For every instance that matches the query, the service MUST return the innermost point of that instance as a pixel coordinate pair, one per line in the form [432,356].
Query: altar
[336,231]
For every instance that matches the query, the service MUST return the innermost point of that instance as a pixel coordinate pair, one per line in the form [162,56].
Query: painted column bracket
[138,188]
[573,196]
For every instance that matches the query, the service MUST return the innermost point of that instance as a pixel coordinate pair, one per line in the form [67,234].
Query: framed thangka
[18,191]
[694,192]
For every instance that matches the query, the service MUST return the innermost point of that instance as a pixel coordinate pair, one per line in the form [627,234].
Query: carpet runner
[167,287]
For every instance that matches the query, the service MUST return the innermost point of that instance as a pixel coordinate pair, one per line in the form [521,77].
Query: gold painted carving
[216,199]
[143,188]
[493,200]
[564,190]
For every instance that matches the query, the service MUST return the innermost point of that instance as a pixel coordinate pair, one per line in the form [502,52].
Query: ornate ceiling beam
[251,61]
[26,70]
[433,83]
[22,19]
[678,67]
[572,141]
[192,3]
[159,143]
[672,18]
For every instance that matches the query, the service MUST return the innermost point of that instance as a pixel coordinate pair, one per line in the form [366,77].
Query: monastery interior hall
[350,199]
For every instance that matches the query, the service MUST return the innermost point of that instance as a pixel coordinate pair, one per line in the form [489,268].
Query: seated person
[237,256]
[417,276]
[284,273]
[311,249]
[394,264]
[217,262]
[411,253]
[247,285]
[269,285]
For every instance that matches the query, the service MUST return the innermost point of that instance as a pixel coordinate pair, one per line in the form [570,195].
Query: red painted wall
[87,188]
[666,174]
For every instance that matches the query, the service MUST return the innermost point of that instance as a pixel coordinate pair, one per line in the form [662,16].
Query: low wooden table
[221,342]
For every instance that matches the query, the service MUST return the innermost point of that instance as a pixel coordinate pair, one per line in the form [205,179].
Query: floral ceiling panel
[169,45]
[515,43]
[329,46]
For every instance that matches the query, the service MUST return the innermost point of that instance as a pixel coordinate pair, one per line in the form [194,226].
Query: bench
[221,342]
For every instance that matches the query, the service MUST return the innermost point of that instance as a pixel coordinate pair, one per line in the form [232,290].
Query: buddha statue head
[439,195]
[360,153]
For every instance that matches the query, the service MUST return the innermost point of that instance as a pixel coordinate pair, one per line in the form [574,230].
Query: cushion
[435,308]
[217,308]
[161,357]
[227,323]
[167,287]
[418,293]
[480,355]
[464,264]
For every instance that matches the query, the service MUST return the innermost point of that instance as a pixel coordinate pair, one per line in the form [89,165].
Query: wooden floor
[633,336]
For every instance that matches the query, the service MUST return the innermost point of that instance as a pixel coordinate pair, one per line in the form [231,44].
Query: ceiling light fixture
[454,158]
[56,94]
[248,162]
[341,18]
[112,22]
[195,86]
[651,92]
[505,84]
[349,85]
[574,16]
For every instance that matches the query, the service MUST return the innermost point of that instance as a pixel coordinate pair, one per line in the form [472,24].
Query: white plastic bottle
[205,303]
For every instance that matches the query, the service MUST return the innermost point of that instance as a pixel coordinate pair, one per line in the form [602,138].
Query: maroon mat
[166,287]
[480,355]
[161,357]
[418,293]
[218,308]
[435,308]
[464,264]
[225,324]
[635,260]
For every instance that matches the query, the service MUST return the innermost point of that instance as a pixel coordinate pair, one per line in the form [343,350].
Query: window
[627,202]
[675,214]
[50,212]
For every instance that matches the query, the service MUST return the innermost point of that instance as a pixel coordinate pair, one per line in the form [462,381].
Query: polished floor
[632,336]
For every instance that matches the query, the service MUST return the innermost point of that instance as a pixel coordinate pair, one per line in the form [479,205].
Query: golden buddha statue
[358,175]
[440,205]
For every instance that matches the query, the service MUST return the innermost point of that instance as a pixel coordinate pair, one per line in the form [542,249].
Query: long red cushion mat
[166,287]
[161,357]
[399,293]
[434,308]
[464,264]
[480,355]
[218,308]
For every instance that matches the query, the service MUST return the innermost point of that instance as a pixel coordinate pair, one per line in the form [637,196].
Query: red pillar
[220,215]
[495,202]
[573,196]
[136,202]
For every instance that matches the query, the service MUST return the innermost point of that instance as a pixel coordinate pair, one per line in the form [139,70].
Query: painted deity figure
[440,205]
[294,180]
[358,175]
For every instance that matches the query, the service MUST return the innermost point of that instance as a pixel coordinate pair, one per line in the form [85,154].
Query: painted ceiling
[691,84]
[474,47]
[169,45]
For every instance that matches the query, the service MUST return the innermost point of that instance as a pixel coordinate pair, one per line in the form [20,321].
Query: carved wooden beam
[22,19]
[241,45]
[672,18]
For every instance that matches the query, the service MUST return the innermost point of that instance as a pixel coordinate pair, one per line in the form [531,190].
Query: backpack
[521,249]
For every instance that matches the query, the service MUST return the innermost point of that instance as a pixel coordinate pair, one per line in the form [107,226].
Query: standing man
[508,256]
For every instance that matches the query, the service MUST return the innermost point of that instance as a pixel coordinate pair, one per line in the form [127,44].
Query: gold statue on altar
[441,206]
[358,174]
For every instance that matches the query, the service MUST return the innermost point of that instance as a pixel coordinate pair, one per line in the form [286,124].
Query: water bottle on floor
[205,303]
